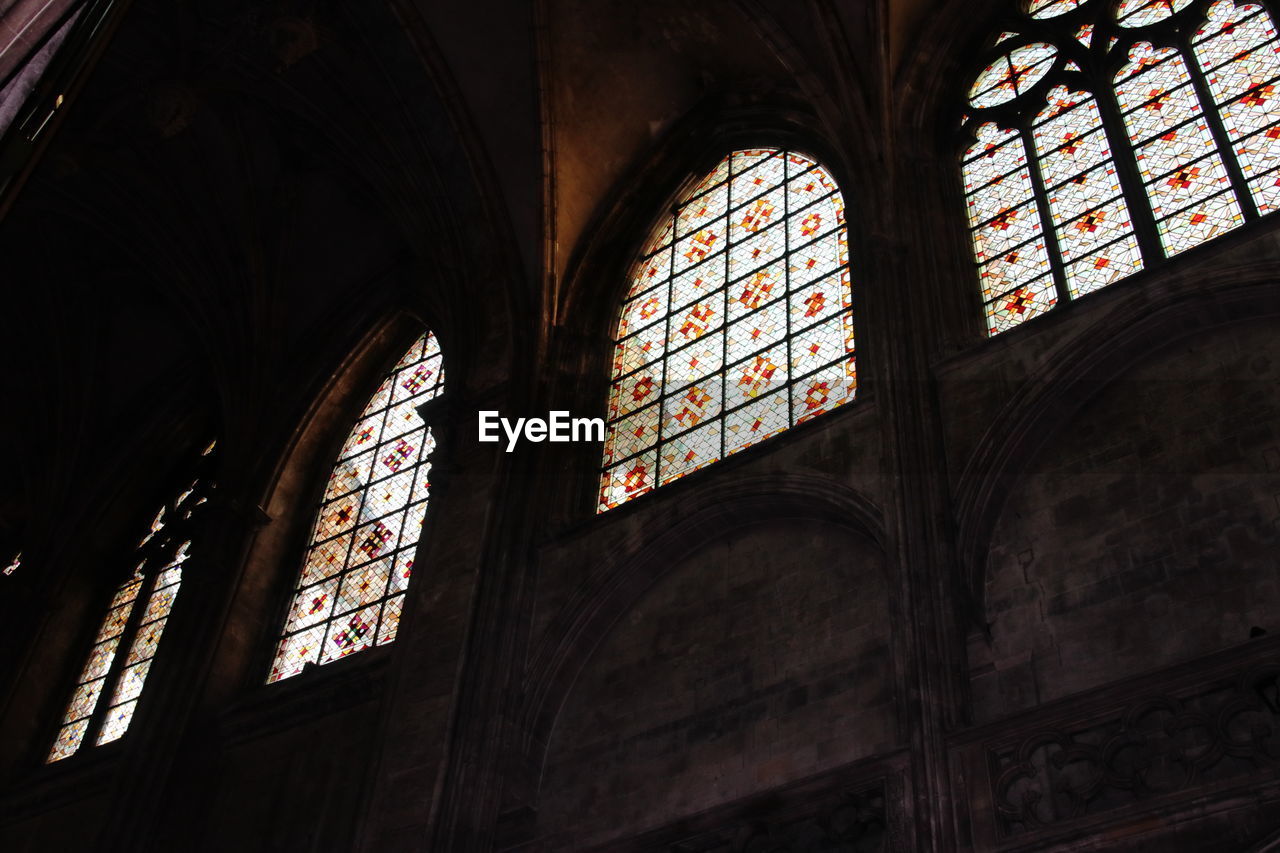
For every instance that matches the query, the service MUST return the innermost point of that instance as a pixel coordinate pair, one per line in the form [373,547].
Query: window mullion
[112,676]
[1222,139]
[1057,263]
[1132,186]
[724,337]
[666,337]
[786,283]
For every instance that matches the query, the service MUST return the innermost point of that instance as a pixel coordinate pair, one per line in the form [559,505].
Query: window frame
[155,554]
[641,233]
[362,384]
[1099,66]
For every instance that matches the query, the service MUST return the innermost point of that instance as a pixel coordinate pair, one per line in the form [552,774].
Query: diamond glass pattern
[1100,226]
[760,258]
[755,422]
[1003,193]
[350,633]
[362,543]
[136,616]
[1007,239]
[1109,264]
[117,722]
[821,391]
[632,434]
[1020,304]
[651,271]
[1025,263]
[1012,74]
[691,406]
[997,152]
[819,299]
[1193,157]
[1239,54]
[390,623]
[1155,92]
[1175,149]
[1203,221]
[757,376]
[1139,13]
[1052,8]
[689,452]
[1266,192]
[1009,242]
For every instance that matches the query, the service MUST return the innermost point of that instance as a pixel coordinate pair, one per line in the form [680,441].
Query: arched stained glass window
[1239,55]
[738,323]
[111,681]
[1105,137]
[351,589]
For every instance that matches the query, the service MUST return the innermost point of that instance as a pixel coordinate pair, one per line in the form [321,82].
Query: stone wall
[760,659]
[1144,531]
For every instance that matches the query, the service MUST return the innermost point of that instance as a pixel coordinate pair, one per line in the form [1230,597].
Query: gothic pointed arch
[737,325]
[1105,138]
[359,558]
[110,684]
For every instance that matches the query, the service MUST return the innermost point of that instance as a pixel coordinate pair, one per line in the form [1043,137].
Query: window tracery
[1107,137]
[359,559]
[108,688]
[738,323]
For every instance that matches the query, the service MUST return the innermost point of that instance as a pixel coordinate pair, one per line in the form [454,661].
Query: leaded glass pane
[137,614]
[1109,264]
[1140,13]
[823,390]
[390,623]
[758,282]
[1098,227]
[1021,304]
[1008,231]
[1193,158]
[689,452]
[1202,221]
[350,633]
[117,722]
[370,520]
[1187,184]
[68,740]
[1052,8]
[1012,74]
[1239,53]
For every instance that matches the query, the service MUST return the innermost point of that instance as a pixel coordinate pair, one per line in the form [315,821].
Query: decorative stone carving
[1156,746]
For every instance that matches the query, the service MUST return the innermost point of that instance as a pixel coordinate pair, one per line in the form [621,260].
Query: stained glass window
[1012,74]
[1090,215]
[1139,13]
[1008,232]
[351,589]
[738,323]
[1078,174]
[1185,179]
[1052,8]
[1238,53]
[110,683]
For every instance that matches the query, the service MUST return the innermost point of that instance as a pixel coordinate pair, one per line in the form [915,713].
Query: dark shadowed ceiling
[243,190]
